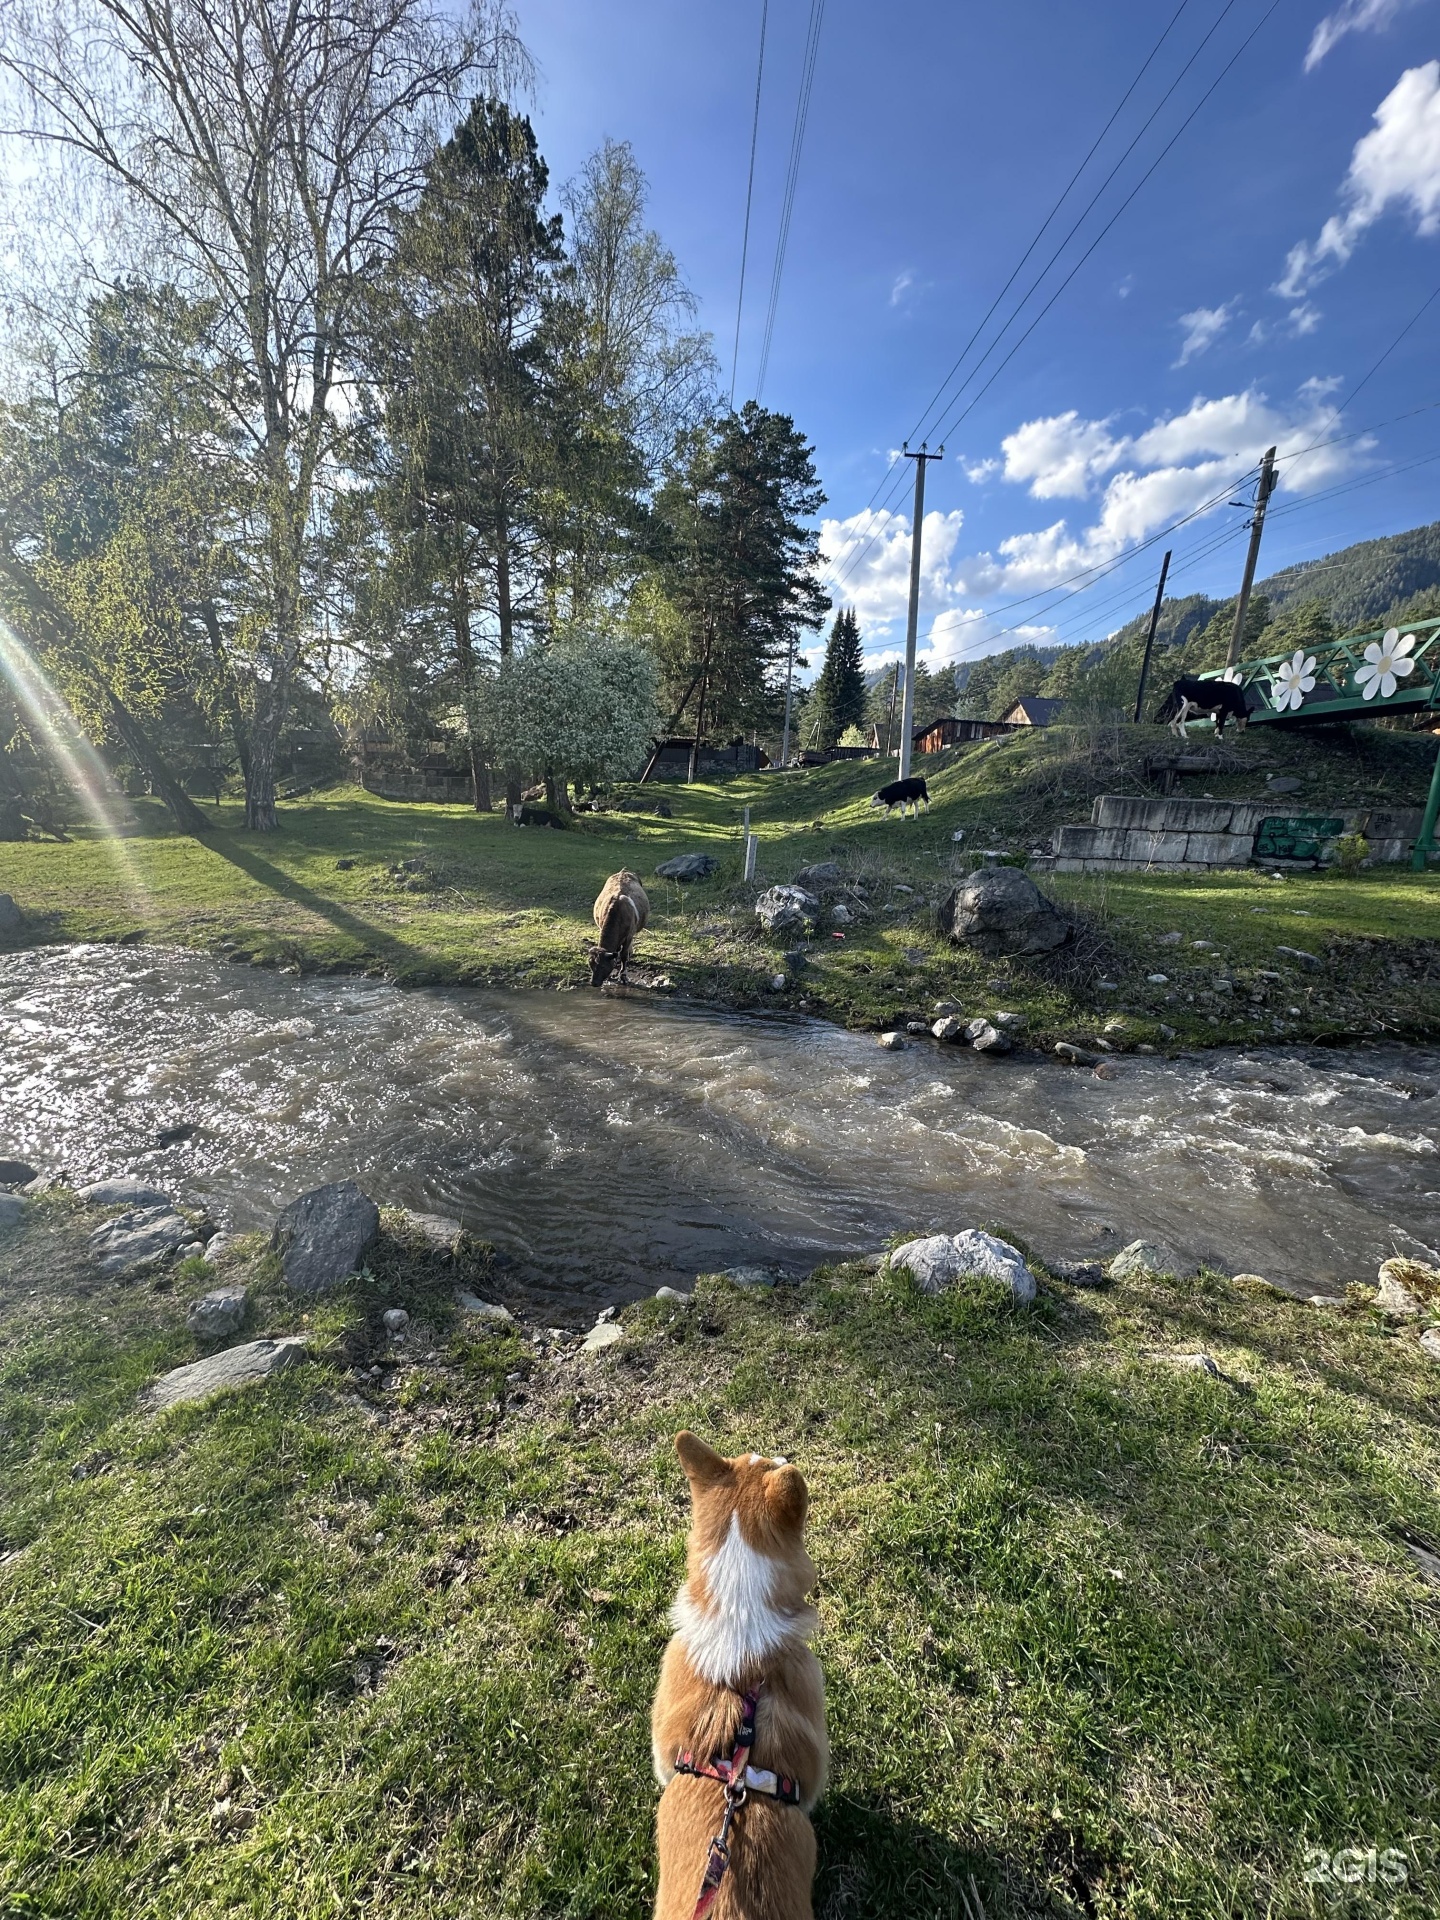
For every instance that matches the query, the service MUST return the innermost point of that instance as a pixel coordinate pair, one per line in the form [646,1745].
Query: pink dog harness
[739,1780]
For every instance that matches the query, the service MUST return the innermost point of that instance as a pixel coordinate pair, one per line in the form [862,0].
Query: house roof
[1034,711]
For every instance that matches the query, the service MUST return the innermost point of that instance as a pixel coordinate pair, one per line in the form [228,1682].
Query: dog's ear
[787,1496]
[703,1466]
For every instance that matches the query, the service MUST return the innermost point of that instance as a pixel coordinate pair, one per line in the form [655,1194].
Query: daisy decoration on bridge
[1292,680]
[1387,662]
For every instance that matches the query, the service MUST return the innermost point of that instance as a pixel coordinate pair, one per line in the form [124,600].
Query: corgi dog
[740,1658]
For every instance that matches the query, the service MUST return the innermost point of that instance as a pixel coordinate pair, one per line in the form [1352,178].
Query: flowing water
[611,1144]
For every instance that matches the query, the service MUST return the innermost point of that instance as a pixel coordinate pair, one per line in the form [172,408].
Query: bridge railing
[1384,671]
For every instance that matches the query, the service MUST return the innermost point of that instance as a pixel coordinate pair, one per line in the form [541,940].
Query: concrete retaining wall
[1130,834]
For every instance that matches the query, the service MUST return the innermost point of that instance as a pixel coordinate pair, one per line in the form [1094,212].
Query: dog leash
[740,1780]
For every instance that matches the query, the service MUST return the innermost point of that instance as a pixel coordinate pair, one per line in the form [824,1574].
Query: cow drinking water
[621,911]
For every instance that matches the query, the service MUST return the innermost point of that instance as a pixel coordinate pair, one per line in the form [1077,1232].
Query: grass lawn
[483,901]
[1114,1637]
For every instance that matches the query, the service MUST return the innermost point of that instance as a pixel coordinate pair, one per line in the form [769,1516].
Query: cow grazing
[621,911]
[1222,699]
[902,794]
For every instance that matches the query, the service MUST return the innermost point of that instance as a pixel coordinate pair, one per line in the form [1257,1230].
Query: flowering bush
[583,709]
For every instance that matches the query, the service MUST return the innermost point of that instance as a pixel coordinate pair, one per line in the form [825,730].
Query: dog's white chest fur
[741,1624]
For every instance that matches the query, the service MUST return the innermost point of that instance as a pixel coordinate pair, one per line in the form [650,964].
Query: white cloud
[903,283]
[1060,456]
[1304,318]
[1203,328]
[977,472]
[1355,16]
[1396,164]
[877,585]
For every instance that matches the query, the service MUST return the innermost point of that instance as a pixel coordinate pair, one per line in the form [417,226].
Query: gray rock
[12,920]
[395,1319]
[607,1333]
[1299,953]
[1081,1273]
[672,1293]
[990,1040]
[786,909]
[940,1259]
[1430,1342]
[1000,910]
[951,1027]
[797,959]
[892,1042]
[12,1208]
[193,1250]
[322,1236]
[1283,783]
[17,1173]
[824,873]
[1009,1022]
[215,1316]
[688,866]
[482,1309]
[916,1027]
[1143,1258]
[1394,1298]
[141,1238]
[1168,939]
[1077,1056]
[217,1244]
[946,1006]
[222,1372]
[840,914]
[122,1193]
[442,1233]
[776,983]
[749,1276]
[1195,1362]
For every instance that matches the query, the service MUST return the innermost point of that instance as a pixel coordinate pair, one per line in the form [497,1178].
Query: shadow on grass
[873,1863]
[371,943]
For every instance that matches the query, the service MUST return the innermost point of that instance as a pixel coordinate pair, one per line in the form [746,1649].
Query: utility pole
[1150,638]
[907,712]
[1262,500]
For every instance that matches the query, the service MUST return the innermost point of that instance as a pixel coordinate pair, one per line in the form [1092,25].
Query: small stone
[749,1276]
[688,866]
[824,873]
[1196,1362]
[990,1040]
[892,1042]
[1081,1273]
[946,1006]
[395,1319]
[1144,1047]
[343,866]
[916,1027]
[222,1372]
[482,1309]
[672,1293]
[606,1333]
[1255,1280]
[438,1229]
[939,1260]
[786,909]
[1077,1056]
[1169,939]
[1430,1342]
[796,960]
[1158,979]
[1299,953]
[1143,1258]
[141,1238]
[192,1250]
[1283,783]
[950,1028]
[17,1173]
[1009,1022]
[776,983]
[1393,1297]
[215,1316]
[841,914]
[122,1193]
[12,1208]
[1167,1033]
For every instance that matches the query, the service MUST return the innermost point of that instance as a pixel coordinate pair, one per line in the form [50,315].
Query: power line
[749,196]
[792,175]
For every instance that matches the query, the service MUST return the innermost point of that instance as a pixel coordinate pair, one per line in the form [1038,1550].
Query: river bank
[424,894]
[1108,1632]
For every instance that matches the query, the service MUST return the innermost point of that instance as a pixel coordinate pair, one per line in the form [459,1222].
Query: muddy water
[609,1145]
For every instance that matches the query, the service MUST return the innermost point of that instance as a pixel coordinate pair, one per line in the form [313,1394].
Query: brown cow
[621,911]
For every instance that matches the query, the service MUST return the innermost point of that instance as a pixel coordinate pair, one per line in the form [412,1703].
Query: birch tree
[262,150]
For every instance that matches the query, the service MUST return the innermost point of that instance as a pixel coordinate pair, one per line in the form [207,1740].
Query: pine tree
[838,698]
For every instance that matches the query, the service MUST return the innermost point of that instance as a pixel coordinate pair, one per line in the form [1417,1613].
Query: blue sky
[1268,261]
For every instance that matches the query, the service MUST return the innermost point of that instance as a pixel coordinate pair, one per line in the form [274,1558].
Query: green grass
[493,904]
[1111,1636]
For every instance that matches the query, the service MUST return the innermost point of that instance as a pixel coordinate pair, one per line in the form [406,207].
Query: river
[608,1145]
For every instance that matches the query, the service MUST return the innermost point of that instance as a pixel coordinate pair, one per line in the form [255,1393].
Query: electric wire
[749,197]
[792,175]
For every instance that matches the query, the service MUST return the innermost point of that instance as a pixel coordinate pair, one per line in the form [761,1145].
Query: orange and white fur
[741,1618]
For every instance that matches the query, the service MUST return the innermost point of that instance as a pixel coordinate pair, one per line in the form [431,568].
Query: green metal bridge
[1396,670]
[1358,678]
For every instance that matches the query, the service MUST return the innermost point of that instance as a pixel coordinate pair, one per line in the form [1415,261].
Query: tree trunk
[260,815]
[273,699]
[557,792]
[700,711]
[505,613]
[469,693]
[234,712]
[183,810]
